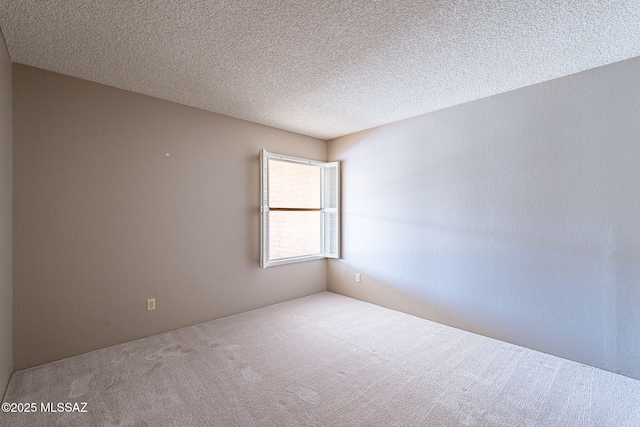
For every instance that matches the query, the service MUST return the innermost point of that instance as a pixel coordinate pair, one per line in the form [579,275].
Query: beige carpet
[323,360]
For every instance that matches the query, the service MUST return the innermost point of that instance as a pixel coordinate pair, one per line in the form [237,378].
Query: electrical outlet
[358,277]
[151,304]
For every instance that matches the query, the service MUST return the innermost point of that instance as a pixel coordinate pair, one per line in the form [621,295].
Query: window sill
[292,260]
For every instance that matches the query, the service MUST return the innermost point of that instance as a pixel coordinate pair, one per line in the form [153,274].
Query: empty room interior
[320,213]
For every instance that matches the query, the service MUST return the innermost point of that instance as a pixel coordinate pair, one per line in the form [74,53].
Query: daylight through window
[299,209]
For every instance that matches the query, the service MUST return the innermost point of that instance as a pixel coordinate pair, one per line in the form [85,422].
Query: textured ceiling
[320,68]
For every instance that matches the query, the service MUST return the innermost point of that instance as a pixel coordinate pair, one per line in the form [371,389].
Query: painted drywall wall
[6,353]
[120,197]
[515,216]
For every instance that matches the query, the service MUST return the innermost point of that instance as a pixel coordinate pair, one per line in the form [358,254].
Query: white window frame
[329,209]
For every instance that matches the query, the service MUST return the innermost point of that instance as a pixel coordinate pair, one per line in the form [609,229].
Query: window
[299,209]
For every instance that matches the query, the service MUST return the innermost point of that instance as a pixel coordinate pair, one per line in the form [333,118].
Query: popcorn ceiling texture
[323,69]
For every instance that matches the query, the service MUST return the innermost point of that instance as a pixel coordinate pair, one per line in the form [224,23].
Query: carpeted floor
[322,360]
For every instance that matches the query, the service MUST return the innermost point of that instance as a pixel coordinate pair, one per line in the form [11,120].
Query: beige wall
[5,217]
[515,216]
[103,219]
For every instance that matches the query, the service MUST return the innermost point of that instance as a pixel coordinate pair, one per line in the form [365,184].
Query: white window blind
[331,217]
[300,209]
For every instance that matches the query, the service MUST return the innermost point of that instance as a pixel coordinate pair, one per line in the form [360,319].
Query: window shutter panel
[264,209]
[331,209]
